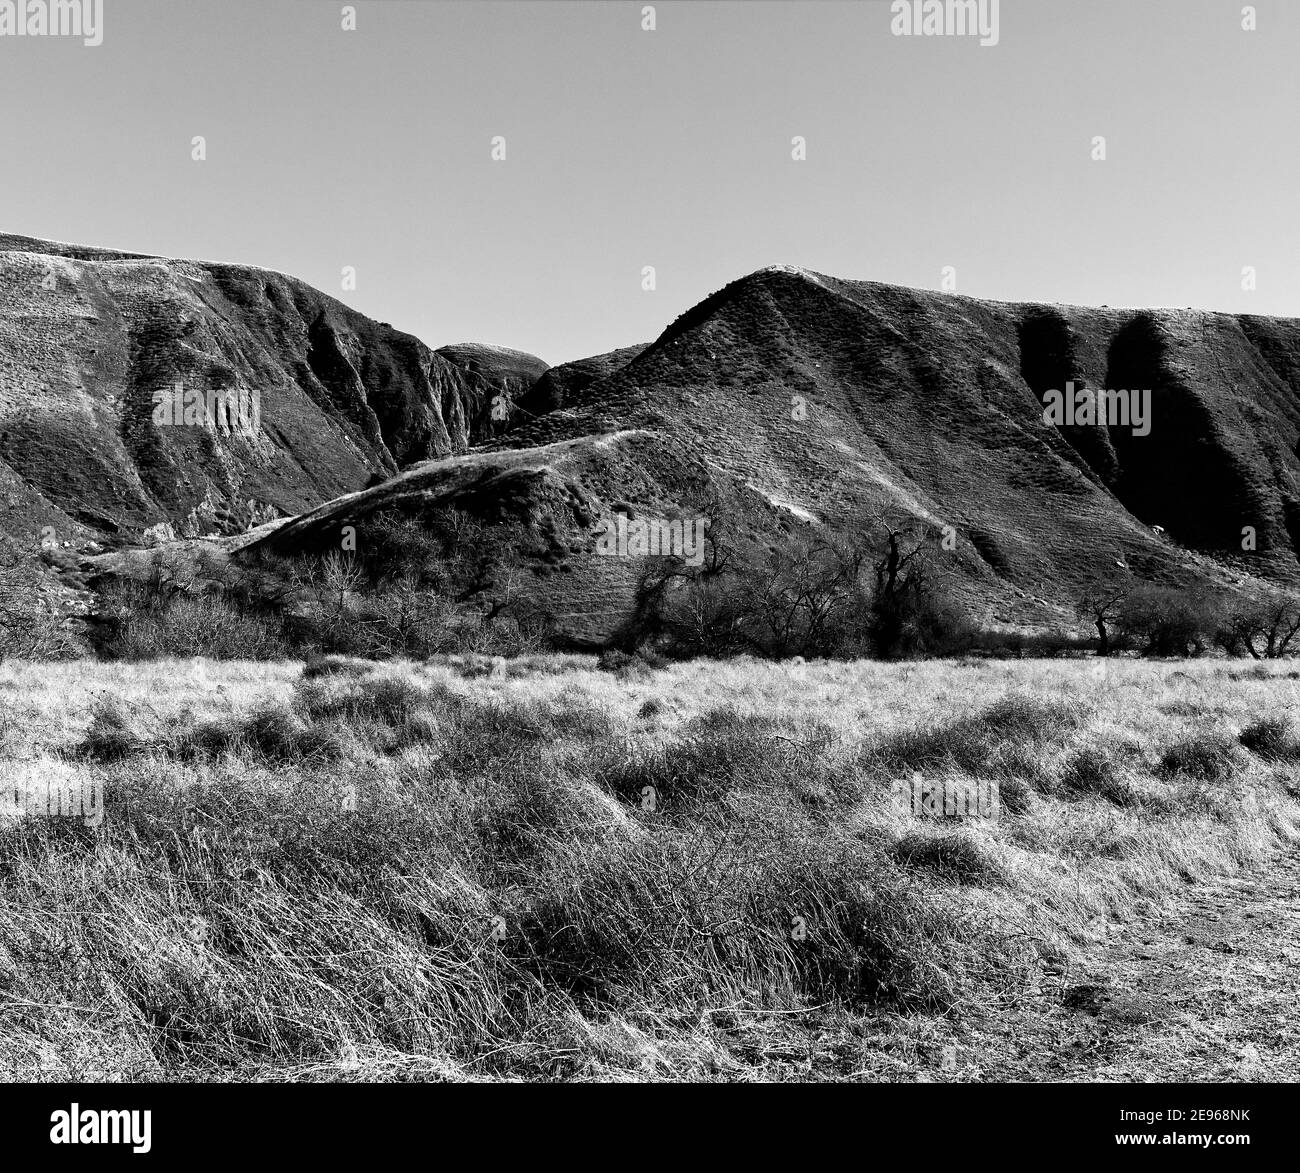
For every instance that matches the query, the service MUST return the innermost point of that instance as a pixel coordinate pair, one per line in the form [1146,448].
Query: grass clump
[954,856]
[112,733]
[334,666]
[1092,770]
[723,753]
[975,743]
[1207,756]
[1270,738]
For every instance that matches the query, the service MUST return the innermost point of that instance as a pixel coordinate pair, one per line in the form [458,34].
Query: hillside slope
[832,395]
[800,400]
[785,401]
[323,400]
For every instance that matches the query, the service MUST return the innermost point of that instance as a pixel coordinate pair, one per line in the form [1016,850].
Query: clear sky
[625,148]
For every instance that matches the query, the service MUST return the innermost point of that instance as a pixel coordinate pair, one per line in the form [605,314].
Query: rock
[156,535]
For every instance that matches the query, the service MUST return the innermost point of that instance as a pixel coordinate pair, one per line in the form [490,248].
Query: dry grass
[414,871]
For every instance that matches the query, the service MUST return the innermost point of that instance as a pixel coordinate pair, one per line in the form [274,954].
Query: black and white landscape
[833,621]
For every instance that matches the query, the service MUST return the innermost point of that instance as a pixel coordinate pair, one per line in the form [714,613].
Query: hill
[298,398]
[787,402]
[801,400]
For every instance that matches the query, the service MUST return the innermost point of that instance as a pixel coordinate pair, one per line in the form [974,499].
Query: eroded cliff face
[483,403]
[138,394]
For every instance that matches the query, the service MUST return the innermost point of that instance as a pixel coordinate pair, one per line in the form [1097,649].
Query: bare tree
[807,592]
[902,601]
[1100,602]
[334,578]
[1267,628]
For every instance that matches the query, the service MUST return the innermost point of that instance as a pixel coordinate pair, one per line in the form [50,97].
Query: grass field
[531,869]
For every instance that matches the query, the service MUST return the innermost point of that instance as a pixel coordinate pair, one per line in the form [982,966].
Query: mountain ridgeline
[787,401]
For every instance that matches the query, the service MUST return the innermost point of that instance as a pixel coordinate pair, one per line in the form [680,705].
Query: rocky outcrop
[483,403]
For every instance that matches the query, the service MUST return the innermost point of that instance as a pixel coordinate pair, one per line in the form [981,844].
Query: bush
[818,595]
[705,616]
[918,622]
[1164,621]
[1035,645]
[1266,628]
[613,660]
[623,665]
[421,589]
[139,625]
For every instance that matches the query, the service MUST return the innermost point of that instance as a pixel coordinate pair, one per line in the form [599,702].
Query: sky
[625,148]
